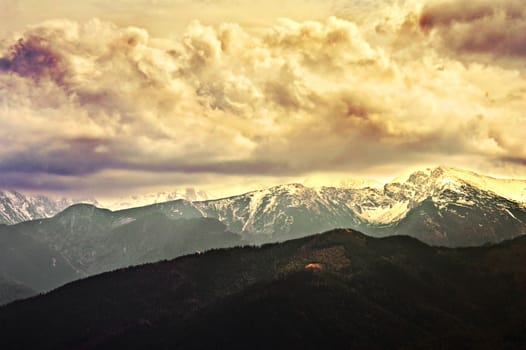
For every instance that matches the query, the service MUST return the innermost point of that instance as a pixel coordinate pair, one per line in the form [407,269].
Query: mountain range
[16,207]
[92,240]
[340,289]
[426,204]
[439,206]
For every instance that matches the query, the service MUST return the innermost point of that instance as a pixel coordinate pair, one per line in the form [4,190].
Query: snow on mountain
[16,207]
[291,210]
[511,189]
[404,193]
[440,195]
[270,210]
[439,206]
[135,201]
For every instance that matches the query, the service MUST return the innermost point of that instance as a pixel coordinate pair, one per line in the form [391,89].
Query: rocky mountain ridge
[289,211]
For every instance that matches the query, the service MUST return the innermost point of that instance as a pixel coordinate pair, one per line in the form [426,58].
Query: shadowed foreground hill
[11,290]
[339,289]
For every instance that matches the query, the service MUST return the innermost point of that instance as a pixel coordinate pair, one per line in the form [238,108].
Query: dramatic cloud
[480,26]
[99,106]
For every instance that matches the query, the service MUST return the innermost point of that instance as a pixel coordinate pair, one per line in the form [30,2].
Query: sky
[111,98]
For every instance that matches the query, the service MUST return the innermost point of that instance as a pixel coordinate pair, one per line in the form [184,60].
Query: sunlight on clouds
[221,99]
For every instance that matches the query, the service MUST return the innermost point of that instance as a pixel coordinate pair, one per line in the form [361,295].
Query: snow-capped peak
[508,188]
[16,207]
[439,177]
[261,210]
[397,198]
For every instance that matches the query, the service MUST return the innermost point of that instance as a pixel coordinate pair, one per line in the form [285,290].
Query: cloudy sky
[111,98]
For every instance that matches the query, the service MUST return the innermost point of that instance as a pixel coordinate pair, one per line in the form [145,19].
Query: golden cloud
[288,99]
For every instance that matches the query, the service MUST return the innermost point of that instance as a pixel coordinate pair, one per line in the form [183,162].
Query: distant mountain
[97,240]
[16,207]
[135,201]
[451,207]
[440,206]
[336,290]
[84,240]
[283,212]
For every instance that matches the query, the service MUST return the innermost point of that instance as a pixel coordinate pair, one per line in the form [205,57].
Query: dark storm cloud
[82,157]
[448,12]
[65,158]
[34,182]
[480,26]
[34,57]
[75,163]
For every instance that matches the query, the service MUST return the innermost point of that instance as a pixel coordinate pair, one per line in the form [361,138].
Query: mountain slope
[97,240]
[31,263]
[440,206]
[282,212]
[458,223]
[16,207]
[11,290]
[511,189]
[331,290]
[84,240]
